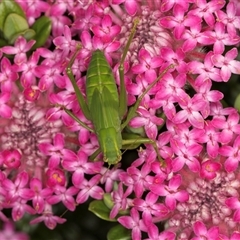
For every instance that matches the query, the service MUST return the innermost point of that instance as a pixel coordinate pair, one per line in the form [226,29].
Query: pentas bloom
[188,178]
[8,232]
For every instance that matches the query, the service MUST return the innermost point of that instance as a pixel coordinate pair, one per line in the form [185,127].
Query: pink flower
[147,65]
[7,76]
[154,234]
[21,46]
[106,31]
[150,207]
[40,194]
[55,177]
[211,138]
[148,120]
[120,200]
[232,154]
[206,9]
[11,159]
[191,108]
[130,5]
[65,196]
[5,110]
[55,151]
[48,218]
[229,127]
[229,18]
[89,188]
[19,208]
[79,165]
[28,70]
[8,232]
[234,203]
[171,192]
[200,230]
[65,42]
[209,169]
[134,223]
[227,64]
[18,189]
[34,9]
[179,20]
[205,70]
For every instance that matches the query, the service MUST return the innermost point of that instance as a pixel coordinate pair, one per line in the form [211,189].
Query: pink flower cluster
[45,153]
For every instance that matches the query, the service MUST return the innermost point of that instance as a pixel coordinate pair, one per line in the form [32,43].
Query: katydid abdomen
[103,103]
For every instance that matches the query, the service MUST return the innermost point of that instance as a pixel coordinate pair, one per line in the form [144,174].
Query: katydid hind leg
[138,141]
[123,93]
[80,98]
[133,109]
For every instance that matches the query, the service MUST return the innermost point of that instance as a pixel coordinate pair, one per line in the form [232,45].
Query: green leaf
[107,199]
[3,43]
[42,27]
[119,233]
[101,210]
[13,25]
[27,34]
[237,103]
[7,7]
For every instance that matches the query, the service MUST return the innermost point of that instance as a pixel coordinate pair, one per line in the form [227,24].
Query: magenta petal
[180,117]
[175,182]
[194,165]
[140,68]
[236,216]
[54,161]
[225,136]
[26,193]
[158,190]
[54,199]
[233,203]
[170,202]
[226,151]
[137,122]
[178,31]
[82,197]
[199,228]
[231,164]
[150,75]
[212,150]
[225,73]
[45,148]
[126,221]
[77,178]
[178,164]
[9,50]
[70,204]
[131,7]
[182,196]
[196,120]
[189,45]
[5,111]
[118,1]
[59,140]
[156,62]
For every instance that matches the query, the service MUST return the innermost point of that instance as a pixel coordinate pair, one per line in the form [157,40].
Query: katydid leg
[134,108]
[80,97]
[129,142]
[123,93]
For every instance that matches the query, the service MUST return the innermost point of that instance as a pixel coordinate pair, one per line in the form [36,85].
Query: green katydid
[105,107]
